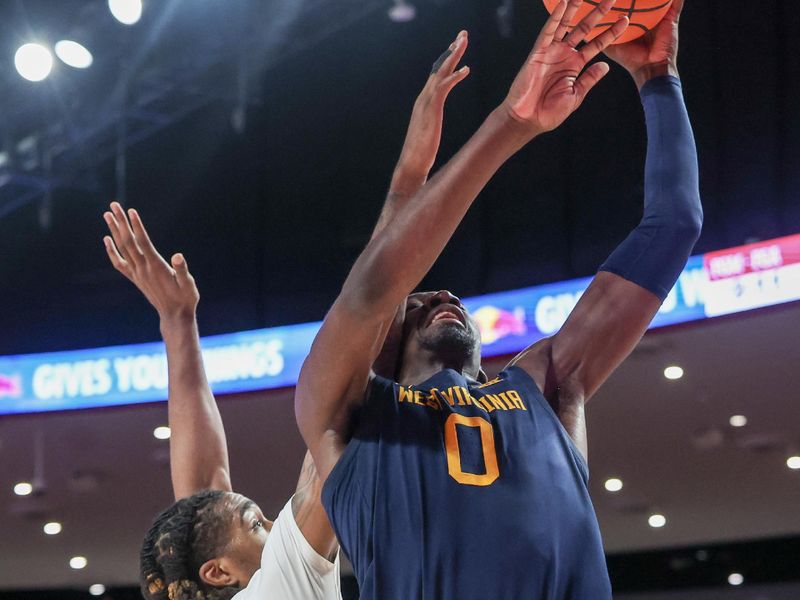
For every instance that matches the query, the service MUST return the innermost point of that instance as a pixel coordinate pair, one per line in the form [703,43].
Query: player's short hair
[182,538]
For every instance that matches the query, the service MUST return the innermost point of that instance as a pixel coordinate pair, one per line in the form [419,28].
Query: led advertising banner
[718,283]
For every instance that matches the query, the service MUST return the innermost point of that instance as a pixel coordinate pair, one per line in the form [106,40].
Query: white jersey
[290,568]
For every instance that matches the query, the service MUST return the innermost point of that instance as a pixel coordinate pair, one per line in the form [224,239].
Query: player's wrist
[177,321]
[514,129]
[645,73]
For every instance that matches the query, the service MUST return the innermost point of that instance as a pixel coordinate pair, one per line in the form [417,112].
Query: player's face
[437,323]
[249,532]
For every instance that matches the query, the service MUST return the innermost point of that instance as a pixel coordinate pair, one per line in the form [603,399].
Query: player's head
[206,546]
[439,329]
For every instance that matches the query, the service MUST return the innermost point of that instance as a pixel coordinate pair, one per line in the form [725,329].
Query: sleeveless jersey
[451,490]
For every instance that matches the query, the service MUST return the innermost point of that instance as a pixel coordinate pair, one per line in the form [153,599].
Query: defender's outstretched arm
[616,309]
[198,448]
[336,373]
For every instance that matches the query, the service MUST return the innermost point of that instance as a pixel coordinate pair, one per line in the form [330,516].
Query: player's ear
[216,573]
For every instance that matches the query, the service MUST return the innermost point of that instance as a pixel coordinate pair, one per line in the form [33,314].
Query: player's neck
[415,372]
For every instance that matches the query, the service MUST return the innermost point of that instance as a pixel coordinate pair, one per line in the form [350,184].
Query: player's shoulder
[290,567]
[513,375]
[378,384]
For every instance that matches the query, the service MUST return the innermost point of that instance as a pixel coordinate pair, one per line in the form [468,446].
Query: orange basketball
[643,14]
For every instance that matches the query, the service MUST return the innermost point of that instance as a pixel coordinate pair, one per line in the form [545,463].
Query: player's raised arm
[410,174]
[548,88]
[416,160]
[198,449]
[424,132]
[616,309]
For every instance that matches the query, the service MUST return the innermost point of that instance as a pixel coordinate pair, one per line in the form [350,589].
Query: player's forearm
[655,253]
[399,257]
[407,179]
[198,450]
[403,187]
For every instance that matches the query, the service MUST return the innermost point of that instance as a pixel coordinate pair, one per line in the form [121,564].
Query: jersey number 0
[454,453]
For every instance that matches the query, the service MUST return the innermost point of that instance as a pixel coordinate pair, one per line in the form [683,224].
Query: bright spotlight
[735,579]
[162,433]
[793,462]
[657,521]
[97,589]
[23,488]
[73,54]
[738,421]
[127,12]
[33,61]
[52,528]
[613,484]
[402,12]
[78,562]
[673,372]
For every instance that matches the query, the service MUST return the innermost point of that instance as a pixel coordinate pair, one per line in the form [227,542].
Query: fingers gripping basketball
[643,15]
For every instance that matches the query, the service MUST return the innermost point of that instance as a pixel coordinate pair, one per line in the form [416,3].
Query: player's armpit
[310,515]
[602,330]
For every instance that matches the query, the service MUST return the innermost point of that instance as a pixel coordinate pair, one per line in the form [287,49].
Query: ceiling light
[793,462]
[162,433]
[735,579]
[33,61]
[73,54]
[52,528]
[126,12]
[738,421]
[78,562]
[673,372]
[97,589]
[402,12]
[23,488]
[657,521]
[613,484]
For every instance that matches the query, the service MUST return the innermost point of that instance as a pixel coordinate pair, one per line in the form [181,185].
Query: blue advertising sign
[271,358]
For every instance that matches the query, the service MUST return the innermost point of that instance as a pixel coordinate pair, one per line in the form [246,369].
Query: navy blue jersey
[450,490]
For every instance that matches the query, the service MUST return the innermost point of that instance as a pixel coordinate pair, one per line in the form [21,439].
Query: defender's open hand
[550,86]
[169,288]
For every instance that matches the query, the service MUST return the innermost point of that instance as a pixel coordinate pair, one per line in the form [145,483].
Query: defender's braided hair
[182,538]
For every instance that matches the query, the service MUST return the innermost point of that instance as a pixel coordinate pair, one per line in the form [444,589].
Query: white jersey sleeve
[290,568]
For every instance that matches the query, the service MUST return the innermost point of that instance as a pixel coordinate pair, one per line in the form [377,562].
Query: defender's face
[437,322]
[248,535]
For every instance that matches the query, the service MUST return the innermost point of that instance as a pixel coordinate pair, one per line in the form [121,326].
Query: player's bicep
[333,380]
[602,330]
[310,515]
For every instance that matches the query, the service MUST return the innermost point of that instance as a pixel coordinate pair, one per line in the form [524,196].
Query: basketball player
[212,543]
[445,486]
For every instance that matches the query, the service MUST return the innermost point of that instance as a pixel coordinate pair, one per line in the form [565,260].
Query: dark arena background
[258,137]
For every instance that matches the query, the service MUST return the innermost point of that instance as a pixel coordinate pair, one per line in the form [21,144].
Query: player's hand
[425,128]
[653,54]
[550,85]
[170,288]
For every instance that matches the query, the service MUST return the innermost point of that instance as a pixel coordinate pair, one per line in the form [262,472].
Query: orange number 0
[454,454]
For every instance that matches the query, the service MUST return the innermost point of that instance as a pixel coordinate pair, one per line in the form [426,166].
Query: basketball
[643,14]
